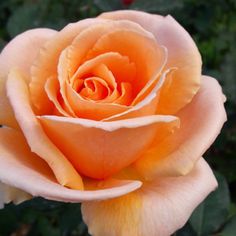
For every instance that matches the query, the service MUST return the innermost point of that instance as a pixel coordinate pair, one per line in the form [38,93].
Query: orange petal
[99,149]
[85,41]
[52,89]
[26,171]
[126,94]
[18,94]
[148,105]
[158,208]
[182,53]
[141,49]
[90,109]
[46,63]
[201,122]
[95,89]
[114,61]
[103,72]
[20,52]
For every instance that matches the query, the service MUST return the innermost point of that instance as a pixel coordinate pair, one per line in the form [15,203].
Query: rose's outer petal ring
[200,124]
[22,169]
[18,94]
[182,53]
[19,52]
[158,208]
[95,148]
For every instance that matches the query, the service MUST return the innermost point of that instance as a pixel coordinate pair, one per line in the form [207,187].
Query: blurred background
[212,24]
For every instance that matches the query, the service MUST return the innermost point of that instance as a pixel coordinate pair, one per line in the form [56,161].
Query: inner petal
[95,88]
[90,109]
[82,98]
[88,38]
[142,50]
[120,66]
[103,71]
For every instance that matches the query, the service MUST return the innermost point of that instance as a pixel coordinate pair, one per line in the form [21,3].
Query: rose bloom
[112,112]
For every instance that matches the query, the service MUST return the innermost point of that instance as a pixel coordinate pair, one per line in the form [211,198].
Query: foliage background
[212,24]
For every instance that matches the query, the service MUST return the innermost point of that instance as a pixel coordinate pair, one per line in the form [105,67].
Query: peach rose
[114,109]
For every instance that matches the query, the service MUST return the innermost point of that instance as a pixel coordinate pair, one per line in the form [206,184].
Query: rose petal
[46,63]
[201,122]
[158,208]
[23,169]
[52,89]
[18,94]
[147,106]
[102,71]
[20,52]
[182,53]
[141,49]
[85,41]
[90,109]
[99,149]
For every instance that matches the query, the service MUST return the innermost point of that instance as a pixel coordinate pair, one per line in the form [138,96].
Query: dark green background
[212,24]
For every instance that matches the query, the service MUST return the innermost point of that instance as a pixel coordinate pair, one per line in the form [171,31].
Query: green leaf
[8,220]
[2,44]
[185,231]
[157,5]
[24,18]
[229,71]
[230,228]
[108,5]
[46,228]
[212,213]
[70,218]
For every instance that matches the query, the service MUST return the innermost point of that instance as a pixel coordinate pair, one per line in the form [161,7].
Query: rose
[102,107]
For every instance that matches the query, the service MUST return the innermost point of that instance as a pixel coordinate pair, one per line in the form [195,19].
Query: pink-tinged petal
[200,124]
[182,53]
[22,50]
[19,52]
[99,149]
[159,208]
[22,169]
[11,194]
[18,94]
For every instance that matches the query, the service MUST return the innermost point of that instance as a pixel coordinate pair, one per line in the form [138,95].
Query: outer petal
[20,52]
[22,169]
[99,149]
[159,208]
[182,53]
[201,122]
[18,95]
